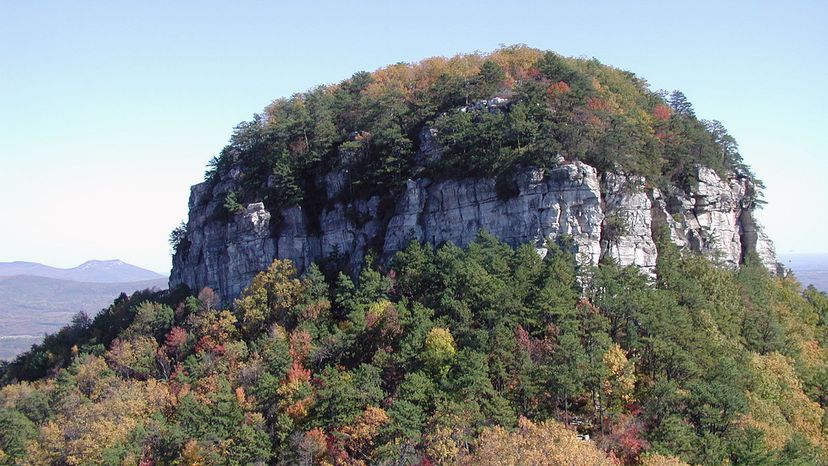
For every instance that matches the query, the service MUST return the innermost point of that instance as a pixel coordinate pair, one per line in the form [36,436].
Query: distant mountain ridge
[93,271]
[32,305]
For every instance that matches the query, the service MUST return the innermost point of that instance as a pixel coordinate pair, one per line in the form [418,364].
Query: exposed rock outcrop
[627,235]
[565,200]
[608,214]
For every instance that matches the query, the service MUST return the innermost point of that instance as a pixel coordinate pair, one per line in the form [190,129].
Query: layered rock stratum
[605,214]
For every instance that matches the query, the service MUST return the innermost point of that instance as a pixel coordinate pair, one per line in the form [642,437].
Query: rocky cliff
[438,150]
[606,214]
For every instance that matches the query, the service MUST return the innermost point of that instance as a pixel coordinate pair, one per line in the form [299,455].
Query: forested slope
[489,353]
[448,356]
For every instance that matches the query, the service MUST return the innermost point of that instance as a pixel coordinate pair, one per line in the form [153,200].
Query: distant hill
[94,271]
[31,306]
[809,269]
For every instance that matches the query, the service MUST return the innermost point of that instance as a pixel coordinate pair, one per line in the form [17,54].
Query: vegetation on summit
[517,106]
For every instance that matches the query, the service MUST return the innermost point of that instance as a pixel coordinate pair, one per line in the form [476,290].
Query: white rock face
[565,200]
[628,227]
[673,222]
[611,214]
[766,251]
[713,220]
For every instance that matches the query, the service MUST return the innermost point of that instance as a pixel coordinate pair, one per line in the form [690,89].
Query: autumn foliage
[488,354]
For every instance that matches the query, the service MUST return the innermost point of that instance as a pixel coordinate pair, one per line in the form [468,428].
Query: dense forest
[489,354]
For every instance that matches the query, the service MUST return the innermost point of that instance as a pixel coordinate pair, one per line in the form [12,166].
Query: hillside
[450,356]
[513,258]
[94,271]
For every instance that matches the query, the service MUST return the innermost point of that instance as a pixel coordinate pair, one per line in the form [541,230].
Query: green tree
[151,319]
[490,77]
[15,432]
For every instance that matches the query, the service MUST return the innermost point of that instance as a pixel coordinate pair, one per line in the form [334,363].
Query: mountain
[530,147]
[33,306]
[487,259]
[93,271]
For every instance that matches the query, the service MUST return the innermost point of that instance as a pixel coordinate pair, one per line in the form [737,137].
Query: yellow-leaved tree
[620,382]
[548,443]
[272,293]
[93,419]
[439,350]
[779,407]
[661,460]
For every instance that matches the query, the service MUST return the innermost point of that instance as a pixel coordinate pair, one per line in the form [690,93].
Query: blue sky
[108,113]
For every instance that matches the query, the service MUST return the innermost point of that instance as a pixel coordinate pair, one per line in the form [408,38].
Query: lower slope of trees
[488,355]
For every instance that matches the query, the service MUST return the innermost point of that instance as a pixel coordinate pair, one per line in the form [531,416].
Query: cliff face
[605,214]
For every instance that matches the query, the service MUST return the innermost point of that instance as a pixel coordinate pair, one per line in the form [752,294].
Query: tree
[151,319]
[548,443]
[269,298]
[216,413]
[360,436]
[135,357]
[777,405]
[661,460]
[470,385]
[232,205]
[490,78]
[662,112]
[680,105]
[619,386]
[439,350]
[16,430]
[178,237]
[402,432]
[729,148]
[556,68]
[343,395]
[95,427]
